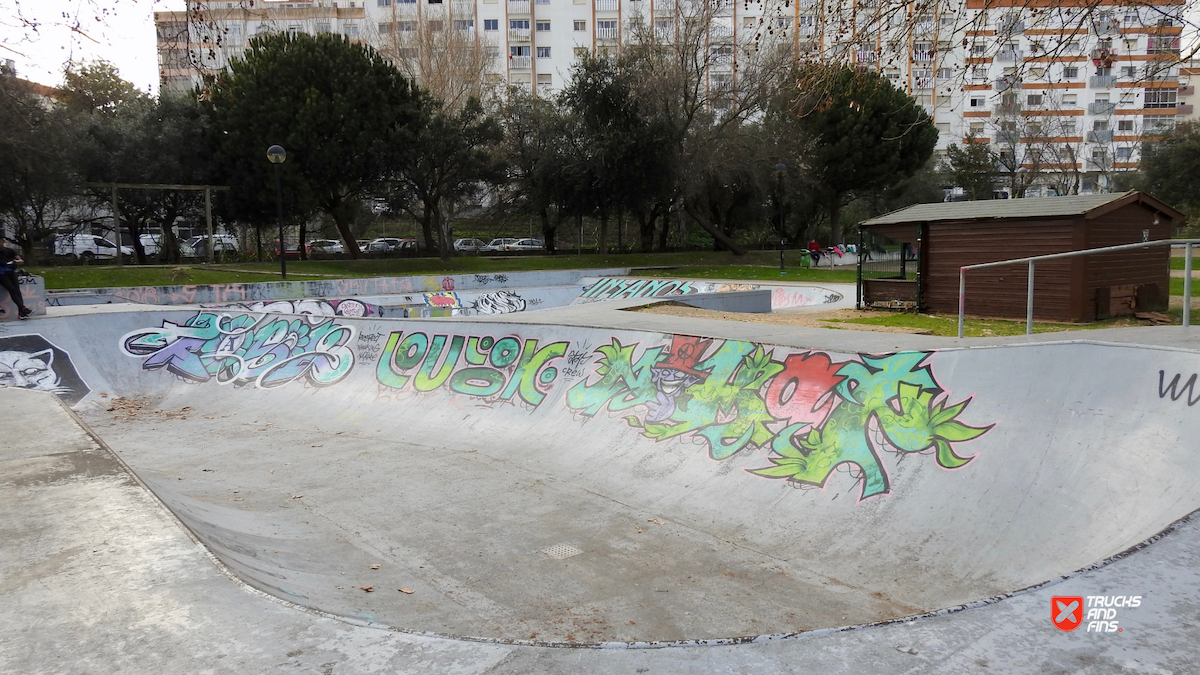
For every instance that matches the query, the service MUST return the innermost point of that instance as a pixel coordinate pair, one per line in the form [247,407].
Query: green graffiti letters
[499,369]
[813,414]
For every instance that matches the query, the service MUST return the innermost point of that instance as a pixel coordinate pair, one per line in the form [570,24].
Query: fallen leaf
[367,588]
[297,496]
[409,591]
[656,521]
[640,530]
[375,566]
[206,469]
[319,445]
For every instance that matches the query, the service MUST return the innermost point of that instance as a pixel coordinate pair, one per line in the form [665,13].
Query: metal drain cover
[562,551]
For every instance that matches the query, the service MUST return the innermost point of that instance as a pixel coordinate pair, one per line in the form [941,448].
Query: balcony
[1008,55]
[720,31]
[518,35]
[606,5]
[922,83]
[1010,27]
[520,62]
[1102,81]
[924,56]
[516,7]
[1106,27]
[1097,165]
[1184,109]
[1100,136]
[1006,138]
[1102,107]
[664,34]
[1007,82]
[462,8]
[606,33]
[866,57]
[1006,109]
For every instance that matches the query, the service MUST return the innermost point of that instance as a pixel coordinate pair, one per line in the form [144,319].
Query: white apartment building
[1063,97]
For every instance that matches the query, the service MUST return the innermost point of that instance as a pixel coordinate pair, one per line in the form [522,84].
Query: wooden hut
[916,253]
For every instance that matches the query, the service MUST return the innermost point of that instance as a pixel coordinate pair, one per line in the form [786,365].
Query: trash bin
[805,260]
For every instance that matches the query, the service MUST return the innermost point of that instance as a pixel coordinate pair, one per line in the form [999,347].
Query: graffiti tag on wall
[614,289]
[815,415]
[245,349]
[1187,391]
[480,366]
[322,307]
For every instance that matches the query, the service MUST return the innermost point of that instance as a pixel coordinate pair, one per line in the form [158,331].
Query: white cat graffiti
[31,362]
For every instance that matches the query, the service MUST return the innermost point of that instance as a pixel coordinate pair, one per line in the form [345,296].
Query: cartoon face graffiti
[30,362]
[674,374]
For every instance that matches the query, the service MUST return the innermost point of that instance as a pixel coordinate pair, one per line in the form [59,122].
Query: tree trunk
[721,238]
[835,221]
[343,229]
[665,232]
[602,246]
[303,235]
[646,231]
[548,230]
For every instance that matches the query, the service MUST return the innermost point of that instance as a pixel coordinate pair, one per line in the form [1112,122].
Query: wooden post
[208,220]
[117,221]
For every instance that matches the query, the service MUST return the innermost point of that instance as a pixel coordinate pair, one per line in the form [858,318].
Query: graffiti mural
[614,289]
[484,367]
[320,307]
[33,362]
[245,349]
[815,415]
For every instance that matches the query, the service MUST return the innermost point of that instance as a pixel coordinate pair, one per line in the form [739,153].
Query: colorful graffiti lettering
[613,289]
[814,414]
[244,349]
[479,366]
[350,307]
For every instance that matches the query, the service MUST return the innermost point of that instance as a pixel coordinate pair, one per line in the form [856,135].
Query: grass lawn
[947,326]
[760,265]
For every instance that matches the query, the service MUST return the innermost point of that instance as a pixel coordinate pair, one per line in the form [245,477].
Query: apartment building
[1064,96]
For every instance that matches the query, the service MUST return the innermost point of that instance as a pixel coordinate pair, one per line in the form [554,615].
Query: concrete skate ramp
[575,485]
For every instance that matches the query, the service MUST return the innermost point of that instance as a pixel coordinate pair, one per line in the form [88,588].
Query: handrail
[1173,243]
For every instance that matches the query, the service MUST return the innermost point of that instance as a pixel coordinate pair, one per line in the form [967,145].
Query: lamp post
[277,155]
[780,171]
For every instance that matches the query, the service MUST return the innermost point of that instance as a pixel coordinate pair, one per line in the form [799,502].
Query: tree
[972,167]
[867,134]
[329,102]
[443,57]
[535,141]
[441,159]
[1170,169]
[38,153]
[97,88]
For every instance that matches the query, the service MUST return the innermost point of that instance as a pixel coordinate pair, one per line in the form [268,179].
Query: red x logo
[1066,611]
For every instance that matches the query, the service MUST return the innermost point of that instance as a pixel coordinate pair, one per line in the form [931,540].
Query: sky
[118,31]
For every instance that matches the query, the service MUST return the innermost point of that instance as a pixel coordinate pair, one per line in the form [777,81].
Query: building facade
[1063,95]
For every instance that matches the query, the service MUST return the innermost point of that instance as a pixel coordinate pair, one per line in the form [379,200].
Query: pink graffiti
[448,284]
[783,298]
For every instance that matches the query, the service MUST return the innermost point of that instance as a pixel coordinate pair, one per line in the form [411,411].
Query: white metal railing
[1187,275]
[518,6]
[606,33]
[606,5]
[520,62]
[518,34]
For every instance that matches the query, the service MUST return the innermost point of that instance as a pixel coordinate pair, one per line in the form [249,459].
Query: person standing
[9,259]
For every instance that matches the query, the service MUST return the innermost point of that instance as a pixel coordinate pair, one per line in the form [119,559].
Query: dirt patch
[131,408]
[811,319]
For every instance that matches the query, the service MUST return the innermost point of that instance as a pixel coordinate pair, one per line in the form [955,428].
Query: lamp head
[781,167]
[276,154]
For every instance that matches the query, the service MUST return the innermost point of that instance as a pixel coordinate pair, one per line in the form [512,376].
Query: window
[1124,154]
[545,79]
[1033,129]
[1099,155]
[1069,99]
[1071,48]
[518,51]
[350,29]
[1125,125]
[406,26]
[1160,98]
[384,3]
[1100,125]
[543,26]
[518,24]
[1129,72]
[808,20]
[408,52]
[979,73]
[233,34]
[1037,72]
[434,26]
[491,24]
[464,24]
[945,73]
[1127,98]
[1033,99]
[1158,125]
[1131,19]
[1070,73]
[295,30]
[978,102]
[543,52]
[979,49]
[322,28]
[386,27]
[493,52]
[581,25]
[749,22]
[943,127]
[1067,127]
[977,128]
[580,52]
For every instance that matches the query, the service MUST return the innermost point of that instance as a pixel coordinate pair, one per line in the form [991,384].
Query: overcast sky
[119,31]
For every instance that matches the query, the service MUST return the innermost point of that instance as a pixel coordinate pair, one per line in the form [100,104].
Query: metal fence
[1173,243]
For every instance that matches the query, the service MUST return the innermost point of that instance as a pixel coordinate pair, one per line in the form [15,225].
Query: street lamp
[780,170]
[277,155]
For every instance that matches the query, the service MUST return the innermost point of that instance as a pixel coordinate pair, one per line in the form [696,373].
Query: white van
[197,247]
[87,246]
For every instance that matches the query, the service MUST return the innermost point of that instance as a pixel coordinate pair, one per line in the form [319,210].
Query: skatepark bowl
[556,482]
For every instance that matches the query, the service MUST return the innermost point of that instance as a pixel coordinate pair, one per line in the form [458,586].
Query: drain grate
[562,551]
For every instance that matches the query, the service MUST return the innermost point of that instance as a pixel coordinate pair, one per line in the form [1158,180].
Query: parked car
[363,244]
[526,245]
[498,244]
[468,245]
[384,245]
[293,250]
[197,247]
[151,244]
[87,246]
[326,246]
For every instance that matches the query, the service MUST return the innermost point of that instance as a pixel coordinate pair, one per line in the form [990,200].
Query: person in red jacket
[814,251]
